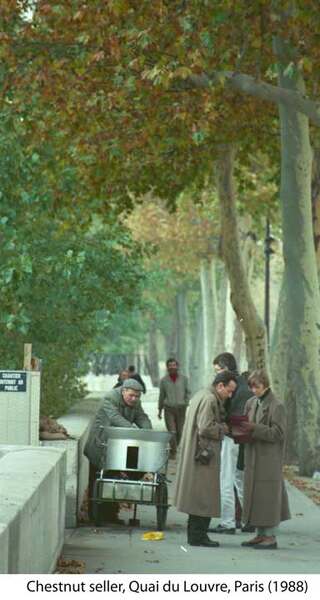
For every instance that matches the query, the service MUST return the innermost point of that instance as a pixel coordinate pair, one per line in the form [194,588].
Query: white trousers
[230,477]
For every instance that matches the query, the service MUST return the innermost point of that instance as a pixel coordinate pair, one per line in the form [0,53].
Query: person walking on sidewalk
[174,397]
[197,489]
[265,496]
[231,477]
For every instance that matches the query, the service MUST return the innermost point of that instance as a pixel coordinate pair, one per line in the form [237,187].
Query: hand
[226,429]
[247,426]
[160,414]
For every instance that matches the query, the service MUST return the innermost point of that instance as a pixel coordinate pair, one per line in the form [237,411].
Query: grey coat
[115,413]
[265,496]
[174,394]
[197,490]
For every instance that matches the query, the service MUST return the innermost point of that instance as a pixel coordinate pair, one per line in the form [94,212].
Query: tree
[60,282]
[183,65]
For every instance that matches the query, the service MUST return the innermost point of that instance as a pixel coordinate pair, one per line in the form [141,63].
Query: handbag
[204,456]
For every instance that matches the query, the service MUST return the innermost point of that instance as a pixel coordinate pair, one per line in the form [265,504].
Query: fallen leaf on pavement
[70,566]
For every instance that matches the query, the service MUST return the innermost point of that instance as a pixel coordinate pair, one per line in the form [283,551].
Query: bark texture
[241,298]
[153,361]
[302,300]
[183,328]
[315,196]
[208,317]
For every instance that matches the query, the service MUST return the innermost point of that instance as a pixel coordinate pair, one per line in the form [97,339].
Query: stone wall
[32,508]
[77,464]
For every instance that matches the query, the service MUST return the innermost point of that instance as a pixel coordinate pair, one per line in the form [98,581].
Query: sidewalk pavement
[120,549]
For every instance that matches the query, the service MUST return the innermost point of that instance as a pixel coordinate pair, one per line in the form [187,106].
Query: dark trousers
[174,419]
[197,529]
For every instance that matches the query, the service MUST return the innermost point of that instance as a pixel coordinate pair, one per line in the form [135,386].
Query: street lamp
[267,252]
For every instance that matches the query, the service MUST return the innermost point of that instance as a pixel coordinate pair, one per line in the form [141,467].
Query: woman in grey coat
[265,496]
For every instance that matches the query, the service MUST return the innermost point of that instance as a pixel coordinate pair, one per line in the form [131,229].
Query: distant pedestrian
[134,375]
[265,496]
[174,397]
[123,375]
[197,490]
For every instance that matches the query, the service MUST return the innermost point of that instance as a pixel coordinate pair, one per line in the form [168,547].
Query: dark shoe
[267,545]
[205,543]
[254,542]
[248,528]
[221,529]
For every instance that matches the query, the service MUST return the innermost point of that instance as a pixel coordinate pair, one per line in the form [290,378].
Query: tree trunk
[237,342]
[171,340]
[248,246]
[241,298]
[197,379]
[153,362]
[207,316]
[302,301]
[315,197]
[183,346]
[281,376]
[220,336]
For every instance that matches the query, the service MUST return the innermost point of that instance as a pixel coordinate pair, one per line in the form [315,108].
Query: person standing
[133,374]
[265,497]
[231,476]
[122,376]
[173,401]
[197,489]
[121,408]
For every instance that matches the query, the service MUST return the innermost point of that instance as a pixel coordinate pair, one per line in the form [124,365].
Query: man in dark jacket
[121,408]
[122,376]
[231,477]
[134,375]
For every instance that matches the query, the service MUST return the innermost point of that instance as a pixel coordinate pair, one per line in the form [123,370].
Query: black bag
[204,456]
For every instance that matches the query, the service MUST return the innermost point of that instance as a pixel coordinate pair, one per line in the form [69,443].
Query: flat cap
[132,384]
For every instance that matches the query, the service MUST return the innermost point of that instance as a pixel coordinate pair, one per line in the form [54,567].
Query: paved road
[121,549]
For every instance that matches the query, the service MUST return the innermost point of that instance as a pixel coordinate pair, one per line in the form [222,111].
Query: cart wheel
[96,506]
[162,505]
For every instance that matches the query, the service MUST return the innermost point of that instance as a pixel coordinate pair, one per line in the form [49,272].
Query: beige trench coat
[265,501]
[197,489]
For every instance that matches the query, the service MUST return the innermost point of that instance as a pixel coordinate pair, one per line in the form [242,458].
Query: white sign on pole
[19,407]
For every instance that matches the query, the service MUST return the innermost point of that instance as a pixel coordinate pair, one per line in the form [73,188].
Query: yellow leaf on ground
[153,536]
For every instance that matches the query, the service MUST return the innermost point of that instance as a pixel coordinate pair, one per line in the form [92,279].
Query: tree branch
[270,93]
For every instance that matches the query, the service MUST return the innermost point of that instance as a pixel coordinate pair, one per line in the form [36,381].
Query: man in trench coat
[197,490]
[265,496]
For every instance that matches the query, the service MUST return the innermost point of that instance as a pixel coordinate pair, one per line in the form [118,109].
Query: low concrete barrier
[77,464]
[32,508]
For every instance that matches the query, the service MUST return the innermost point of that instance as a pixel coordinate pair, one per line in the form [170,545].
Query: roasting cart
[128,454]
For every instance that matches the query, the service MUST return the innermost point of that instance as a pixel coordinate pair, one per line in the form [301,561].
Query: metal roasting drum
[130,449]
